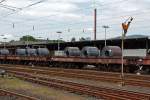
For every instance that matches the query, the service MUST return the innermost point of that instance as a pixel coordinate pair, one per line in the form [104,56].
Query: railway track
[129,79]
[7,95]
[99,92]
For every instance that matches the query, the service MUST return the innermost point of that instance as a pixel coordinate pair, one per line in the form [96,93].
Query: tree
[27,38]
[82,39]
[12,41]
[73,39]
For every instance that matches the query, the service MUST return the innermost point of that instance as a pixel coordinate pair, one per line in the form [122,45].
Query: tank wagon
[107,59]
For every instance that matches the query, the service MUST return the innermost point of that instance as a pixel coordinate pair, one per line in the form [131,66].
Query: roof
[131,42]
[131,37]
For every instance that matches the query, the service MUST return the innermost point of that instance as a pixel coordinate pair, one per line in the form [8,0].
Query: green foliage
[27,38]
[31,38]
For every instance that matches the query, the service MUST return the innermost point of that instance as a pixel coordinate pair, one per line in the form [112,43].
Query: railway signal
[125,27]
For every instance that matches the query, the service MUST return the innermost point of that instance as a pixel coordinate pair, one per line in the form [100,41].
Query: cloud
[53,15]
[18,3]
[70,1]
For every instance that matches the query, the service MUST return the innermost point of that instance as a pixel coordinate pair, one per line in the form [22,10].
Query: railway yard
[91,84]
[74,73]
[86,74]
[60,50]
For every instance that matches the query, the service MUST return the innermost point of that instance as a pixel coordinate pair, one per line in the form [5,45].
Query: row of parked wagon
[27,52]
[93,51]
[68,51]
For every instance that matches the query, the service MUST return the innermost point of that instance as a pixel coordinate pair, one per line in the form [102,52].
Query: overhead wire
[16,10]
[69,24]
[8,8]
[87,8]
[2,1]
[75,23]
[30,5]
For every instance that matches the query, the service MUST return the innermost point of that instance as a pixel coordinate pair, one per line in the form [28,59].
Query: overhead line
[2,1]
[34,4]
[50,15]
[10,6]
[26,7]
[7,8]
[79,22]
[55,15]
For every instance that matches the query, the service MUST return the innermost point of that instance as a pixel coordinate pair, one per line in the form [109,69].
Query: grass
[39,91]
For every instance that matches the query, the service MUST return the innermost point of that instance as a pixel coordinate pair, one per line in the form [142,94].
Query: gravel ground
[38,91]
[104,84]
[9,98]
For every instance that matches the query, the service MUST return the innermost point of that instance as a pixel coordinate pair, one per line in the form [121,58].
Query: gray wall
[134,52]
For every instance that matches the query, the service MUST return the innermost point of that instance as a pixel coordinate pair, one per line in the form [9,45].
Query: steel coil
[72,51]
[4,52]
[43,52]
[21,52]
[111,51]
[31,52]
[90,51]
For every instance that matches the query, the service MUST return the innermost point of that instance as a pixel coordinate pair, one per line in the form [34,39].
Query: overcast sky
[51,16]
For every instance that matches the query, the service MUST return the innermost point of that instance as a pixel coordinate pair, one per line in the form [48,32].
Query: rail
[130,79]
[100,92]
[16,95]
